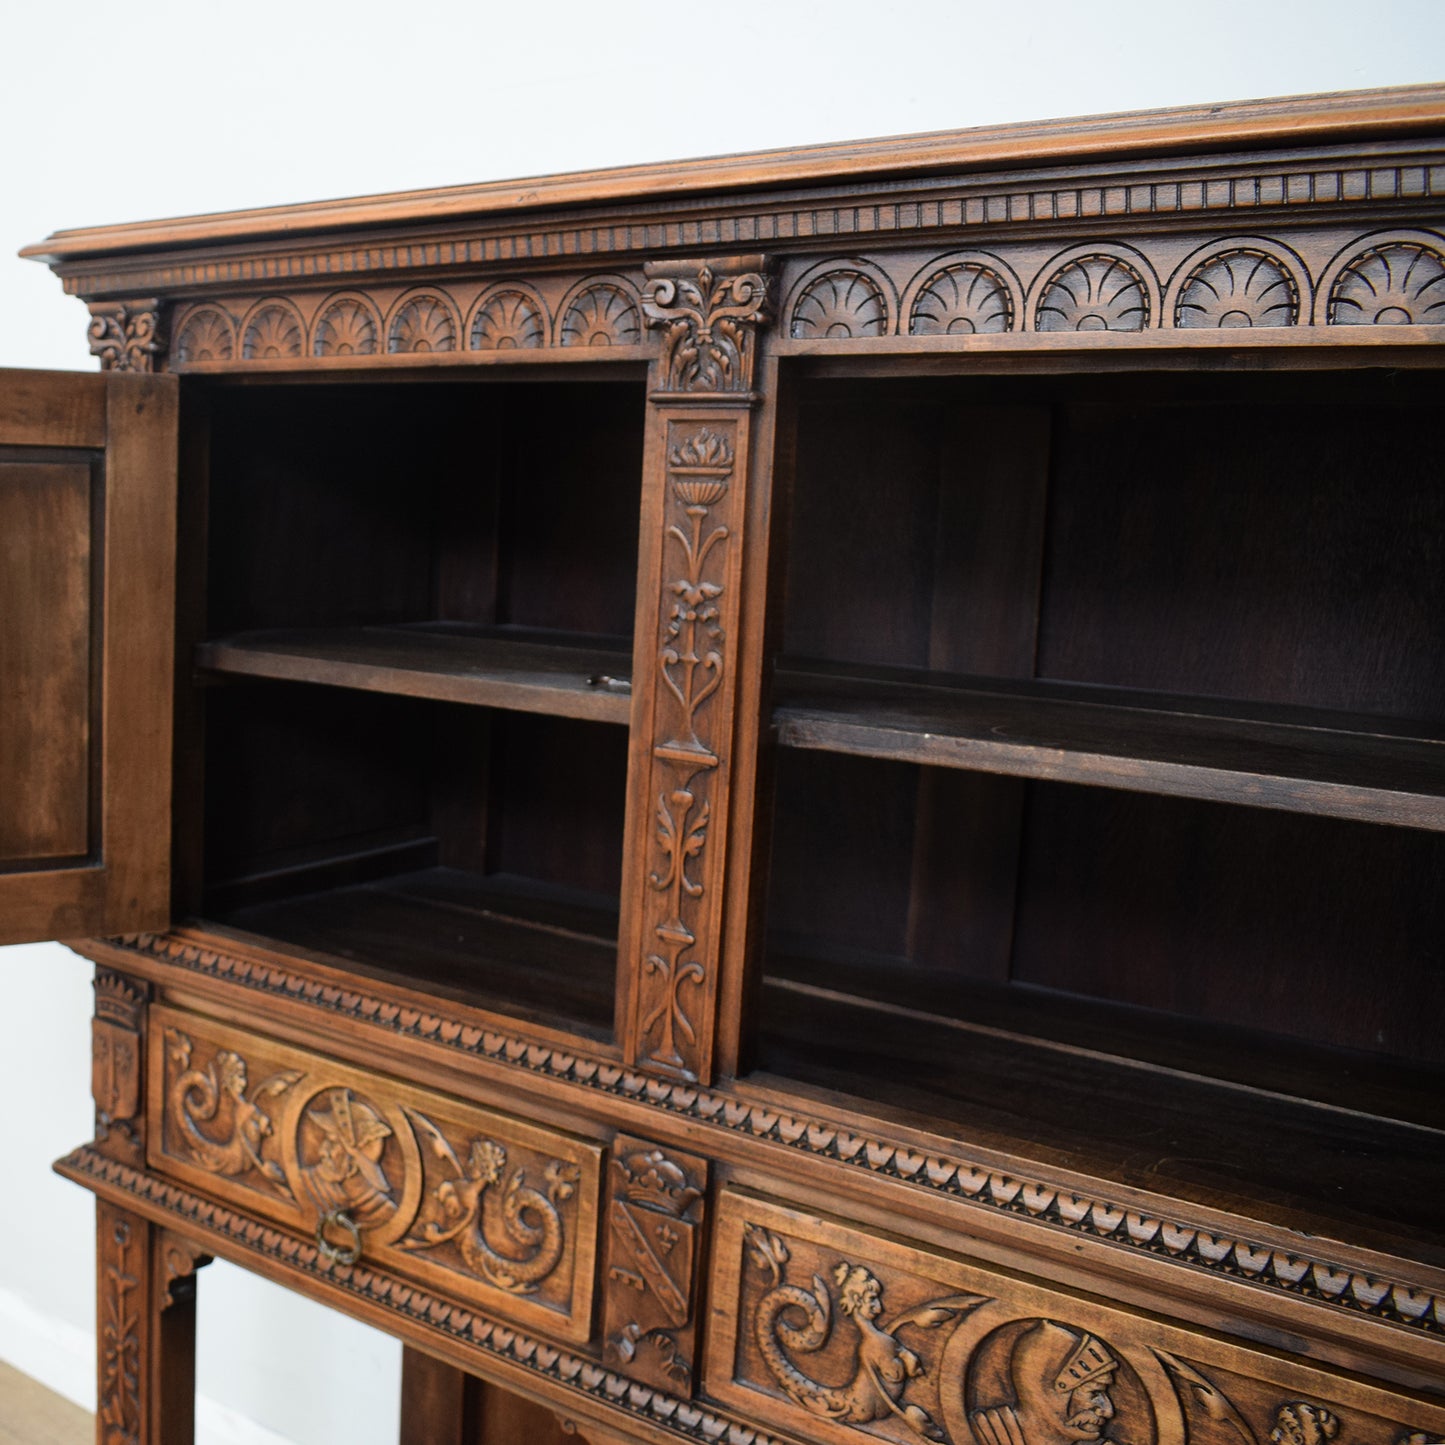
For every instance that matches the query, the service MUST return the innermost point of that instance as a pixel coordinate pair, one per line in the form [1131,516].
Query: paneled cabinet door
[87,582]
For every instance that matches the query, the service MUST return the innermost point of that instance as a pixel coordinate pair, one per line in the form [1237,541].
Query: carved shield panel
[483,1207]
[846,1337]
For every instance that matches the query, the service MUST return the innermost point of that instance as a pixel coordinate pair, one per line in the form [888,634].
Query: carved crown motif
[650,1177]
[117,998]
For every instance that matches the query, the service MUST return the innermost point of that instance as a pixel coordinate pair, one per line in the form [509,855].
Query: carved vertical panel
[685,670]
[655,1208]
[116,1037]
[145,1331]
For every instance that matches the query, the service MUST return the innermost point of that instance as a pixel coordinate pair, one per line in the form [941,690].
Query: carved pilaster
[146,1325]
[654,1227]
[685,670]
[127,335]
[117,1034]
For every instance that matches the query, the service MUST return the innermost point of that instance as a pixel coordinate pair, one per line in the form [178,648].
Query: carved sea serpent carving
[1314,1276]
[472,1211]
[196,1096]
[883,1365]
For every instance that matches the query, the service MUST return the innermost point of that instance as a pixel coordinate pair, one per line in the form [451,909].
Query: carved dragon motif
[202,1096]
[475,1208]
[883,1365]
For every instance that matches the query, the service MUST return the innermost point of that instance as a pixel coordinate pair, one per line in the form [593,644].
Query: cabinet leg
[145,1331]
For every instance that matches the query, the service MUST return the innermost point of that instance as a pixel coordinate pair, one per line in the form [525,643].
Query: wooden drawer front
[841,1336]
[479,1206]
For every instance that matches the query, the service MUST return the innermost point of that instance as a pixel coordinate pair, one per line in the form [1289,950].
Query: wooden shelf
[519,670]
[500,943]
[1294,759]
[1151,1125]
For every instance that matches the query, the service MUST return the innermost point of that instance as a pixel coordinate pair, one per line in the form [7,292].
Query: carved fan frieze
[1241,287]
[273,331]
[856,1337]
[1102,291]
[346,326]
[967,296]
[461,1198]
[601,312]
[204,333]
[508,318]
[423,321]
[1396,283]
[844,301]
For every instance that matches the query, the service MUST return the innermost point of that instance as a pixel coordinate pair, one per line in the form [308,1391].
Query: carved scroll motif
[508,1232]
[126,335]
[224,1123]
[654,1223]
[709,323]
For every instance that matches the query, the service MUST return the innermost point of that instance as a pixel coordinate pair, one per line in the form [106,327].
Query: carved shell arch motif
[1398,282]
[1094,291]
[840,300]
[272,331]
[506,318]
[206,333]
[347,325]
[1238,286]
[601,312]
[422,322]
[962,295]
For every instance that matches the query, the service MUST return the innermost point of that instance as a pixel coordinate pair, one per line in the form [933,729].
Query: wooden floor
[32,1415]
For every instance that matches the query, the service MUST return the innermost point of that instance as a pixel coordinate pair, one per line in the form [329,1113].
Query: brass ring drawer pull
[338,1219]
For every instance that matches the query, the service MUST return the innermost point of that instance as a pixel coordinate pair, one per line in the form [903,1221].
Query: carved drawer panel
[480,1206]
[841,1336]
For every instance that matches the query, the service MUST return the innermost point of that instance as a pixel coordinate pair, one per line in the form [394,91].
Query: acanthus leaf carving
[709,319]
[508,1232]
[127,335]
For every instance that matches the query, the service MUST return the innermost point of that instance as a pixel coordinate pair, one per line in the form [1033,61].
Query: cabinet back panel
[296,773]
[558,791]
[1283,554]
[339,505]
[1305,927]
[569,508]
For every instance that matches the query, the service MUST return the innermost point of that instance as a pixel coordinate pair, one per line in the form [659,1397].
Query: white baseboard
[62,1358]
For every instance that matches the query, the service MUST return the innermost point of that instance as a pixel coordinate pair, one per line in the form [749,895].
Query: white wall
[124,111]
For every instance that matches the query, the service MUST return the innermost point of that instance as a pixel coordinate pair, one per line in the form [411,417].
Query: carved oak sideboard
[796,798]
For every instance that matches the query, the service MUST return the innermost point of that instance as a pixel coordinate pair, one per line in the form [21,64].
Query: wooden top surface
[1290,121]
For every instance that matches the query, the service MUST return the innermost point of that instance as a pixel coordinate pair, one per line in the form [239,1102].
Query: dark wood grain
[1348,767]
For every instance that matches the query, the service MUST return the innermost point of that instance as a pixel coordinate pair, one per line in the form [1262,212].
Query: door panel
[87,568]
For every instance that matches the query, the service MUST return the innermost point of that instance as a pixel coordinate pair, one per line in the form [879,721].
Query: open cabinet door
[87,585]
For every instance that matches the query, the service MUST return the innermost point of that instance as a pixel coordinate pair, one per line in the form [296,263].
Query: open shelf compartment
[419,540]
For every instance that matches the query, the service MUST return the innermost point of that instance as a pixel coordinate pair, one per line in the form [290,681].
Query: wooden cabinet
[797,798]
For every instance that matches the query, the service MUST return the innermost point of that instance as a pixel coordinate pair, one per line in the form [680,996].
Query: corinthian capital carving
[710,311]
[126,335]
